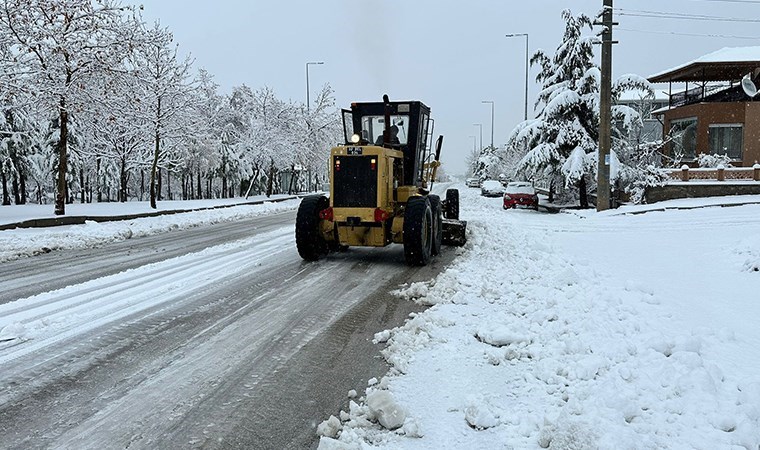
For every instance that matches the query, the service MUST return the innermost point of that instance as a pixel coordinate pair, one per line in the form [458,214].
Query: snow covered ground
[576,331]
[573,331]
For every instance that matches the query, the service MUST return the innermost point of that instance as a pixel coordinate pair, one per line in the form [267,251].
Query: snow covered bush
[641,168]
[638,179]
[713,161]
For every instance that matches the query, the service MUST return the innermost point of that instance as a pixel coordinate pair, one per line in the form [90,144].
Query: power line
[751,2]
[681,16]
[755,38]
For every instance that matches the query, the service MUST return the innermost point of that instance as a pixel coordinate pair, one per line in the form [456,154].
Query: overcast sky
[451,55]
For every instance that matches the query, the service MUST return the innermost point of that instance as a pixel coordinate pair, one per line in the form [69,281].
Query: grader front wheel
[451,211]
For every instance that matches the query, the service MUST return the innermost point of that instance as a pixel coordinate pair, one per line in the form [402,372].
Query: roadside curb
[684,208]
[79,220]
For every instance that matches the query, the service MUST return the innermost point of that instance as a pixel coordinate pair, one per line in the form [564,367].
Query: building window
[684,135]
[726,139]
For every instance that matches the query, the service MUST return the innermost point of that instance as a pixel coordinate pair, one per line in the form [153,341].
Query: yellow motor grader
[380,182]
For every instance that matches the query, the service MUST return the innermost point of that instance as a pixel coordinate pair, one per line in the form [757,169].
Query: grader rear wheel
[418,231]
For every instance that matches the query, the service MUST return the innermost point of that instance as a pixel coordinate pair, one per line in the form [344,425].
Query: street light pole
[474,143]
[492,106]
[481,134]
[527,66]
[308,106]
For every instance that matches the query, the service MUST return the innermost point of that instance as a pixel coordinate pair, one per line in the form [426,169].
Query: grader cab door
[348,125]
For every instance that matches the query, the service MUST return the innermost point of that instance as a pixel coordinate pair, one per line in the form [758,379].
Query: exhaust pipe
[387,128]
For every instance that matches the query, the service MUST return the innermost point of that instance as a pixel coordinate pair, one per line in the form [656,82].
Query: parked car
[491,188]
[520,193]
[472,182]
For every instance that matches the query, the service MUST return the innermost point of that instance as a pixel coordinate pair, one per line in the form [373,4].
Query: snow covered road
[207,337]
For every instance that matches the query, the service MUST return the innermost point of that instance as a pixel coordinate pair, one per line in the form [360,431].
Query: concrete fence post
[721,172]
[684,173]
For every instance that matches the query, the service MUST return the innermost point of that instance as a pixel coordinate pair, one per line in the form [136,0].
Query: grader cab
[380,184]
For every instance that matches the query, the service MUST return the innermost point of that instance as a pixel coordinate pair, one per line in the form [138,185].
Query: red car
[520,193]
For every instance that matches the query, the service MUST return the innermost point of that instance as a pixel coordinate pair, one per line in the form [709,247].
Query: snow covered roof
[634,95]
[662,110]
[726,64]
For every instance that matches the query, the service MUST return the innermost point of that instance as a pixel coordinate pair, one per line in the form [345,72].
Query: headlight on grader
[356,138]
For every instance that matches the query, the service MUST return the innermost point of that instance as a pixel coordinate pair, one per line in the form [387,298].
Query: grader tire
[437,209]
[418,231]
[452,204]
[309,241]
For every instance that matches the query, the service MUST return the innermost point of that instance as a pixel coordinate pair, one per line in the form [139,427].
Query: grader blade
[454,232]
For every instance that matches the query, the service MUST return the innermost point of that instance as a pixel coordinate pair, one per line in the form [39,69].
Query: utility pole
[605,112]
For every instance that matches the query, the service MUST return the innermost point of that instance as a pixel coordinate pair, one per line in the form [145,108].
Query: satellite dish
[748,85]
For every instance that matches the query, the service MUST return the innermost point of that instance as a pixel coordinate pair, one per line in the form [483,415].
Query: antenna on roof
[748,85]
[748,82]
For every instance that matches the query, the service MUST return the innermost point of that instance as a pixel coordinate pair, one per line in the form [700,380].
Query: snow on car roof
[520,187]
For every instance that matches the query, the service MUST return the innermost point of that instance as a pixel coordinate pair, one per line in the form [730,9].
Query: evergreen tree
[562,142]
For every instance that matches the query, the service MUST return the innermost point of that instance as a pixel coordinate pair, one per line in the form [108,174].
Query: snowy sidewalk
[560,331]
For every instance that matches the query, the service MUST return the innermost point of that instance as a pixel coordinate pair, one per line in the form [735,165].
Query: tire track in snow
[76,310]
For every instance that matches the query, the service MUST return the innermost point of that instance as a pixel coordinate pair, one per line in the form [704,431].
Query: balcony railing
[696,95]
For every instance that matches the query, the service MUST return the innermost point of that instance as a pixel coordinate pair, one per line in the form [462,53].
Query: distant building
[646,106]
[713,114]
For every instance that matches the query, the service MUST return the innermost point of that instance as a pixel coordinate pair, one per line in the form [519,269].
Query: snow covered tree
[471,161]
[95,96]
[321,132]
[488,165]
[199,156]
[562,142]
[116,134]
[166,90]
[58,45]
[17,134]
[567,106]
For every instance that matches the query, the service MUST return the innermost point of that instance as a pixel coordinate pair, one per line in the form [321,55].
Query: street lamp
[307,81]
[526,68]
[481,133]
[492,105]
